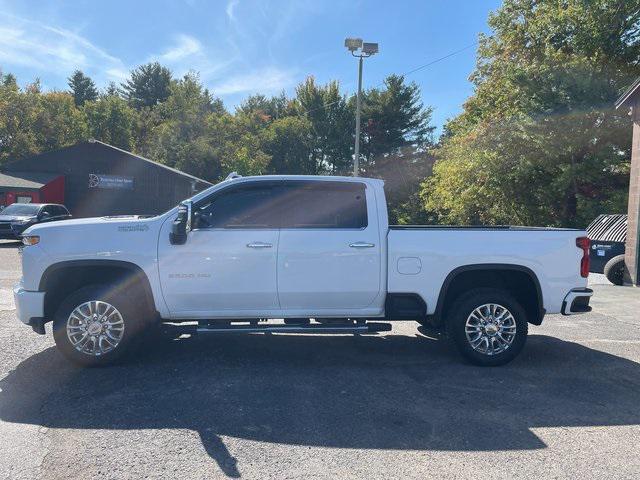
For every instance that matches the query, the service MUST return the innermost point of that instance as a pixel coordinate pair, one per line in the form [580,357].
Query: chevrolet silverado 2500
[314,253]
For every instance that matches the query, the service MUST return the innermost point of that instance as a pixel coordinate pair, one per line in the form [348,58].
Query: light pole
[365,50]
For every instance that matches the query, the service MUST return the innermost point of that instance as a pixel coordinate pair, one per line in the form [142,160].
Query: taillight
[584,243]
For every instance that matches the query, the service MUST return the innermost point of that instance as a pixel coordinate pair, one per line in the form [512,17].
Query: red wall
[53,192]
[12,197]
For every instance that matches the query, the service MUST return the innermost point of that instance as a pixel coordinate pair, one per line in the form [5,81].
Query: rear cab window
[324,205]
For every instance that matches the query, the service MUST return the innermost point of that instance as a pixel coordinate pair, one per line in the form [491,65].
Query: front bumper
[13,232]
[29,307]
[577,301]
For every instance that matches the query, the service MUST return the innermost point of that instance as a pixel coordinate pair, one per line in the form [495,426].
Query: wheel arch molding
[494,275]
[77,273]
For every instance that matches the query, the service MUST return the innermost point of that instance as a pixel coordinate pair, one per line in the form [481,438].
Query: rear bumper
[577,301]
[29,307]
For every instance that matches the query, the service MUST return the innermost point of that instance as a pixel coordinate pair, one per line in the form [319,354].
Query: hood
[16,218]
[98,237]
[105,224]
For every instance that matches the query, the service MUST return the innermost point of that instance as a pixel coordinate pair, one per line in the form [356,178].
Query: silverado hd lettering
[294,254]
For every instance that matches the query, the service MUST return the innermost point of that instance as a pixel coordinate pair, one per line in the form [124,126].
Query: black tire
[462,308]
[134,323]
[614,270]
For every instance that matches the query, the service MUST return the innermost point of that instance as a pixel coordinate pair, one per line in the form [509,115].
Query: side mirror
[181,225]
[44,215]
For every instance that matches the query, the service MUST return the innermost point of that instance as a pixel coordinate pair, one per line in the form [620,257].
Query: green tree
[32,122]
[179,138]
[396,136]
[539,141]
[332,124]
[394,117]
[18,111]
[9,80]
[274,107]
[58,122]
[111,90]
[195,134]
[82,88]
[288,141]
[111,120]
[149,85]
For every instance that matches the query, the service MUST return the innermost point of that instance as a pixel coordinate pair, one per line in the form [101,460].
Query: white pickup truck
[293,254]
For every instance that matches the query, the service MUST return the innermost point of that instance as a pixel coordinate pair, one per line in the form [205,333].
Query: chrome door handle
[259,245]
[361,245]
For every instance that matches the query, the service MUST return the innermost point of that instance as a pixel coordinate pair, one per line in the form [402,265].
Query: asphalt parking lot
[399,405]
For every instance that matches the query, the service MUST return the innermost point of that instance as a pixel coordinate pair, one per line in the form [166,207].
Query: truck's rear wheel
[487,326]
[95,326]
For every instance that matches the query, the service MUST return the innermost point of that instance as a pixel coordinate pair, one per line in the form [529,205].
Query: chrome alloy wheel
[95,328]
[490,329]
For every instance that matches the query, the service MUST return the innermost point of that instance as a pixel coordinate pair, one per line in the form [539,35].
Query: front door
[227,267]
[329,255]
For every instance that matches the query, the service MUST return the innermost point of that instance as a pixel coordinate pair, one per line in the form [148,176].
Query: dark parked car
[608,234]
[16,218]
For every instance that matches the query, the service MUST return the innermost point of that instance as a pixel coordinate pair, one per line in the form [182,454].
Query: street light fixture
[366,50]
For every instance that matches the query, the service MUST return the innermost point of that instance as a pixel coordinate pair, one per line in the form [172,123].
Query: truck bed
[480,227]
[421,257]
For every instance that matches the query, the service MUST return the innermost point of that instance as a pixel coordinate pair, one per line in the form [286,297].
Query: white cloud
[266,80]
[50,48]
[186,46]
[230,10]
[117,74]
[188,54]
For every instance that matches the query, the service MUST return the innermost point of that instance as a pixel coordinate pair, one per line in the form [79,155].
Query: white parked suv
[315,251]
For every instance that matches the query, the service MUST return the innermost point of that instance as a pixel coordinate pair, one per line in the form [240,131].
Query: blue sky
[247,46]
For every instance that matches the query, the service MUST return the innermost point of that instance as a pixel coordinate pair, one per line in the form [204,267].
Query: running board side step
[309,329]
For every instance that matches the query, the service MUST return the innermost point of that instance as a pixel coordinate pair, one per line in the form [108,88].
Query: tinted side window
[59,211]
[244,207]
[48,210]
[324,205]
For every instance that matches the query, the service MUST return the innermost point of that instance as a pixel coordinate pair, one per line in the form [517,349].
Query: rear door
[329,254]
[59,212]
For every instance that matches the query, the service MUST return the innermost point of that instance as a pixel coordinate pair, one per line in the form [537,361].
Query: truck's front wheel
[95,326]
[488,326]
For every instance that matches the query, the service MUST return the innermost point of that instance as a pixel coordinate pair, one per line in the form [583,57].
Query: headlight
[20,222]
[30,239]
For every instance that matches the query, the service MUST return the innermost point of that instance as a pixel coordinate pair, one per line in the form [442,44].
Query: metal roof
[26,180]
[608,228]
[628,93]
[157,164]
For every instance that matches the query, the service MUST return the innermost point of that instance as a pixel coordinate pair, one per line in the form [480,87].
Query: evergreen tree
[148,86]
[82,88]
[111,90]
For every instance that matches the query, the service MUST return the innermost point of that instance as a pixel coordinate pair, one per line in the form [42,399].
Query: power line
[437,60]
[405,74]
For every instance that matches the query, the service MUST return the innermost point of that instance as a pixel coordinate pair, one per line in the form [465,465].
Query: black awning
[608,228]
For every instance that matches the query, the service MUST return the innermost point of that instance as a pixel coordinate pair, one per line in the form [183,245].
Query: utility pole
[366,50]
[356,157]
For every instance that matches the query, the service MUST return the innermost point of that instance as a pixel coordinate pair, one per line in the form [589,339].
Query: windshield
[21,209]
